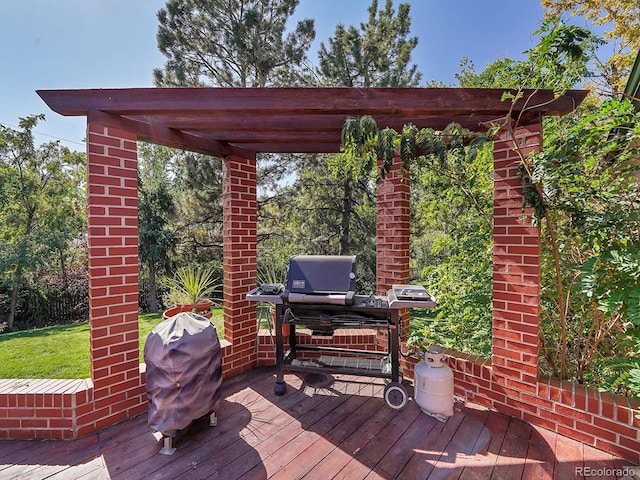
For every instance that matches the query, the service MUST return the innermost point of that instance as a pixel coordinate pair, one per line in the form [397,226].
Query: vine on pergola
[363,143]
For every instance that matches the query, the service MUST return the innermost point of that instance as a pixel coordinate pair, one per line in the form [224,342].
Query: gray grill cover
[184,372]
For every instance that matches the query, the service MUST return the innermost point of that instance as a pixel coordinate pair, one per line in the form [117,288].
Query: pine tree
[231,43]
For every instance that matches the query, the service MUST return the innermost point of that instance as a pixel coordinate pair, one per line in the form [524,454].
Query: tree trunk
[13,305]
[347,207]
[63,269]
[153,288]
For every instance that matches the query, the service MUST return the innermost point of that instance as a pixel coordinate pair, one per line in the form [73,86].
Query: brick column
[516,270]
[240,254]
[113,277]
[392,233]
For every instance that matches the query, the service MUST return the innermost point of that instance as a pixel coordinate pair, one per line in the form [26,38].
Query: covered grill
[319,294]
[184,374]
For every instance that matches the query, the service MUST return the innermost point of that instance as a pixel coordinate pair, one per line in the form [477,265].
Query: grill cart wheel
[395,395]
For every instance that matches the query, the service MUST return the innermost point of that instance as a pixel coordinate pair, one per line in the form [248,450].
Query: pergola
[236,124]
[244,122]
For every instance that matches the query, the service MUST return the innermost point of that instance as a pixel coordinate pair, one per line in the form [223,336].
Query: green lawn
[63,352]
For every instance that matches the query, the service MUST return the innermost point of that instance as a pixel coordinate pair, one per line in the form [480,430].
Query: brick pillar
[516,269]
[113,276]
[240,251]
[392,233]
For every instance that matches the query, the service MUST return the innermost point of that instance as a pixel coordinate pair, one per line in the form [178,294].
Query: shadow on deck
[344,431]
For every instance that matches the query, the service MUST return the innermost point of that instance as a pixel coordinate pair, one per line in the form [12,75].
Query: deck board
[541,454]
[343,431]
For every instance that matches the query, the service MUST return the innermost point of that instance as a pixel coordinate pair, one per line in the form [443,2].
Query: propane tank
[434,384]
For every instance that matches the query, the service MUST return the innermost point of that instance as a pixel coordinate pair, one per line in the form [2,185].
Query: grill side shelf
[396,303]
[255,296]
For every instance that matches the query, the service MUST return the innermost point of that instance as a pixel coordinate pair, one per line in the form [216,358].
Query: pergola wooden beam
[355,101]
[168,137]
[246,121]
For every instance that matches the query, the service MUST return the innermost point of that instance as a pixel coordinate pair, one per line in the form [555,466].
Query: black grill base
[324,360]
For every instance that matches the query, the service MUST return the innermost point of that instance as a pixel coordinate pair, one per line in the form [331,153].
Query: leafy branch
[447,152]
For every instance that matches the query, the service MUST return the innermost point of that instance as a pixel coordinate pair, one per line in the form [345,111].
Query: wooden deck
[344,431]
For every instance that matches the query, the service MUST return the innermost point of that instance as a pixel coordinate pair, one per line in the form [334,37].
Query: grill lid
[321,279]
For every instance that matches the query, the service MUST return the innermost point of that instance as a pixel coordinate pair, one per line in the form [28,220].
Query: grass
[63,351]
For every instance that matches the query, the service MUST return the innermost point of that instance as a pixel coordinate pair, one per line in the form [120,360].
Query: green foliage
[39,206]
[452,204]
[156,208]
[330,208]
[359,148]
[623,377]
[375,55]
[363,143]
[621,373]
[506,73]
[612,279]
[325,214]
[191,284]
[272,268]
[561,57]
[588,173]
[584,192]
[620,22]
[197,196]
[237,43]
[560,60]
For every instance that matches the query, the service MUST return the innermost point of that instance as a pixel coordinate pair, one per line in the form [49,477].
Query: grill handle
[323,299]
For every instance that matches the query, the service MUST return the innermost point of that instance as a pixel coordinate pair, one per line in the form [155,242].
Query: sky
[60,44]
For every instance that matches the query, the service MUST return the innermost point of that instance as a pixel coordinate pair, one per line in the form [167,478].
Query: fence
[39,307]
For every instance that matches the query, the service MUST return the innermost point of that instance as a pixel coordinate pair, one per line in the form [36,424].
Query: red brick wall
[392,228]
[355,339]
[240,260]
[393,222]
[113,278]
[600,419]
[516,270]
[67,409]
[42,408]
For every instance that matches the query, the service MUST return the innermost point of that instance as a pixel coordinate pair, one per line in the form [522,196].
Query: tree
[317,222]
[156,208]
[584,187]
[560,60]
[199,207]
[235,43]
[587,174]
[452,226]
[339,206]
[623,17]
[39,211]
[376,55]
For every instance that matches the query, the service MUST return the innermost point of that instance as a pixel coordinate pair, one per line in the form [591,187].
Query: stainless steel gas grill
[319,294]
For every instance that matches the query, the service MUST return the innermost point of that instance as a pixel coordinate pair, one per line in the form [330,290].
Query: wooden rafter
[246,121]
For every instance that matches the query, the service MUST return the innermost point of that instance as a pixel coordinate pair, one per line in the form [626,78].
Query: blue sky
[111,44]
